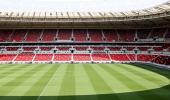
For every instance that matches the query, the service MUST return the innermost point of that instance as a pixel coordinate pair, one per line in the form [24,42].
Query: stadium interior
[85,45]
[92,37]
[56,55]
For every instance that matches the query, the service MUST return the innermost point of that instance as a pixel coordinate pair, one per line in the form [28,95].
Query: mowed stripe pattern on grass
[76,79]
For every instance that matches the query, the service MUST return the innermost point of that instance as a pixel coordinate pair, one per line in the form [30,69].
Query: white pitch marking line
[45,88]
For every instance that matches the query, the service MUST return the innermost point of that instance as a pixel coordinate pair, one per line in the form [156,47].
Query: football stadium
[85,50]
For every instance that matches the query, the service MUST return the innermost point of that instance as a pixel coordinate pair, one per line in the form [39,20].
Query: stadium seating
[64,34]
[12,48]
[29,48]
[5,35]
[81,48]
[49,35]
[43,57]
[158,49]
[81,57]
[95,35]
[7,57]
[110,35]
[143,48]
[145,57]
[162,60]
[33,36]
[46,48]
[62,57]
[126,35]
[129,48]
[18,36]
[63,48]
[80,35]
[168,34]
[116,51]
[132,57]
[157,33]
[143,34]
[114,48]
[119,57]
[101,57]
[98,48]
[25,57]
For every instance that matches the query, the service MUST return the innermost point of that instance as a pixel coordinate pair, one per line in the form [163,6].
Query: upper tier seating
[80,35]
[110,35]
[126,35]
[18,36]
[143,34]
[5,35]
[158,33]
[63,48]
[98,48]
[49,35]
[81,48]
[168,34]
[95,35]
[143,48]
[12,48]
[29,48]
[158,49]
[46,48]
[64,34]
[33,35]
[114,48]
[129,48]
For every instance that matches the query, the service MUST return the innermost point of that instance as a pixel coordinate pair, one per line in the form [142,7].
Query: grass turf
[83,81]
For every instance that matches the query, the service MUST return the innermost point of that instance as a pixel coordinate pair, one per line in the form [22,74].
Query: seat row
[28,57]
[93,35]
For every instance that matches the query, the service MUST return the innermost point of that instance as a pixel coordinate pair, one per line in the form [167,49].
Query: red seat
[82,57]
[25,57]
[62,57]
[43,57]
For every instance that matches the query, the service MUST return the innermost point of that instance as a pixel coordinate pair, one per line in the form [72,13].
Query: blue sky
[76,5]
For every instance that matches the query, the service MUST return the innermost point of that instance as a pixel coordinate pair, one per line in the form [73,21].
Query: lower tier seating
[43,57]
[81,57]
[144,57]
[62,57]
[119,57]
[100,57]
[25,57]
[162,60]
[7,57]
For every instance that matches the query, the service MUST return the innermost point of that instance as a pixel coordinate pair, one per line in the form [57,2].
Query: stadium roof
[82,8]
[49,13]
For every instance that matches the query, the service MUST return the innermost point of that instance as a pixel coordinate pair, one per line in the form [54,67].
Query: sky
[76,5]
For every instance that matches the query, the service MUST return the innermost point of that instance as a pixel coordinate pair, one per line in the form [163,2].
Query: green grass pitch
[83,82]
